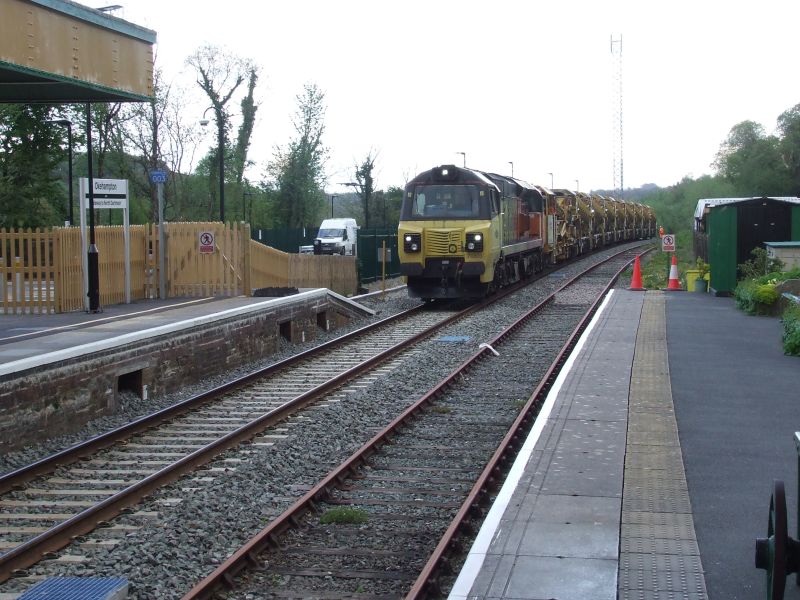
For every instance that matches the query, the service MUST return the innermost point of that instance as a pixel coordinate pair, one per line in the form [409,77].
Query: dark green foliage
[366,185]
[759,265]
[791,331]
[752,162]
[674,206]
[31,192]
[298,170]
[755,298]
[745,296]
[789,128]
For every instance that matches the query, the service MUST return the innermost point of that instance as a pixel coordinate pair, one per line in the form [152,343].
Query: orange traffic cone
[674,284]
[636,280]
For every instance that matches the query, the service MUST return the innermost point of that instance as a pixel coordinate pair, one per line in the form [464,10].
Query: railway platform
[27,336]
[651,474]
[59,371]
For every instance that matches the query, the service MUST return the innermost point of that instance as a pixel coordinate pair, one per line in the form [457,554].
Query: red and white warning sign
[206,242]
[668,243]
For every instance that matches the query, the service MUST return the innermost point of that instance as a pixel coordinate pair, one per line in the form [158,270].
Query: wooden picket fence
[273,268]
[41,271]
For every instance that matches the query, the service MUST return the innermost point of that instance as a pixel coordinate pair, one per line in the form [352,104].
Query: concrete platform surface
[31,340]
[599,505]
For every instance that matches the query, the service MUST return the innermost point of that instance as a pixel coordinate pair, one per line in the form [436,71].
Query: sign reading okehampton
[668,243]
[110,193]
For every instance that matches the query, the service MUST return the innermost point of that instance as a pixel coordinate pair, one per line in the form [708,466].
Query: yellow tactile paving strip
[659,556]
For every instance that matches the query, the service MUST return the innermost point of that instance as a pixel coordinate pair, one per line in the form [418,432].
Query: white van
[336,236]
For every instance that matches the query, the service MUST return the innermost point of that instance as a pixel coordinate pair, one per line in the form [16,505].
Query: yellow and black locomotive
[464,233]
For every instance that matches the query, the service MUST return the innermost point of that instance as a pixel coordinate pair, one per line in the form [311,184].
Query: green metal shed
[726,230]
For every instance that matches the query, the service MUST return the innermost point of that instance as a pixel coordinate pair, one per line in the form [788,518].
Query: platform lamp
[221,151]
[332,197]
[355,185]
[577,186]
[511,162]
[464,156]
[68,124]
[551,180]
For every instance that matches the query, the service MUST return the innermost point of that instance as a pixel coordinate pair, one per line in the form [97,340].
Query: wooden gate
[208,259]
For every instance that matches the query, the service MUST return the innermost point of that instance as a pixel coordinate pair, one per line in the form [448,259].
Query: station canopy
[58,51]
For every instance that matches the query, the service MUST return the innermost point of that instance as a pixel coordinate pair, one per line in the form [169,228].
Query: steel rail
[491,476]
[14,479]
[248,554]
[55,538]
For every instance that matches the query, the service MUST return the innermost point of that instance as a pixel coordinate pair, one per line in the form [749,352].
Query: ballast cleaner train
[464,233]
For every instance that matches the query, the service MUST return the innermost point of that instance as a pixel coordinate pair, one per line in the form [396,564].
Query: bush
[755,298]
[778,276]
[765,294]
[759,264]
[791,331]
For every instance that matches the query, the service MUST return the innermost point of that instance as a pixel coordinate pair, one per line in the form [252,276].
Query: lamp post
[245,213]
[511,162]
[221,152]
[92,255]
[551,180]
[332,197]
[464,156]
[68,124]
[577,186]
[353,184]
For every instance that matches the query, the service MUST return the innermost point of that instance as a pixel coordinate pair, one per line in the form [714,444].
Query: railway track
[45,505]
[386,522]
[108,548]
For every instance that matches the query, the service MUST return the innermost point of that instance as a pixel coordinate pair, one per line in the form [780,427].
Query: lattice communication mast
[616,106]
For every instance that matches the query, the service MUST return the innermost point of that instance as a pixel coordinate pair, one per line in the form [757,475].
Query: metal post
[383,269]
[221,170]
[797,447]
[162,247]
[69,172]
[92,256]
[551,180]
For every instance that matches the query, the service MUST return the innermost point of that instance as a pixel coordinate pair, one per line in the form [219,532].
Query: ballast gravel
[180,534]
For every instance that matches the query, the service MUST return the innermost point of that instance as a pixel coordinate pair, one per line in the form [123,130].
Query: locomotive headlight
[474,242]
[412,242]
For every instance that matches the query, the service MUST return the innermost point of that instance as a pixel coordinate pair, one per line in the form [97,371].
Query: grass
[344,515]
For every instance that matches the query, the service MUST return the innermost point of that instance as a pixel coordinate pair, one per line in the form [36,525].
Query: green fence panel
[370,242]
[288,239]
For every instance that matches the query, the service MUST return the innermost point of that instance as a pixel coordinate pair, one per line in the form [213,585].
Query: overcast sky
[524,81]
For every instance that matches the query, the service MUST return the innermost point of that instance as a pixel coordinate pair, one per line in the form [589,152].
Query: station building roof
[703,203]
[59,51]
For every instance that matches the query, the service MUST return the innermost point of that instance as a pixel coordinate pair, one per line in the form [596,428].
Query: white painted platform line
[127,338]
[489,529]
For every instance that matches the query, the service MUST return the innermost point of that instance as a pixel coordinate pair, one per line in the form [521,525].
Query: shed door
[761,221]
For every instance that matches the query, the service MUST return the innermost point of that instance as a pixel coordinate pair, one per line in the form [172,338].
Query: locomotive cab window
[445,202]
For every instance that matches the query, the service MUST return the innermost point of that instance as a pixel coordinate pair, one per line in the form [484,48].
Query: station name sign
[110,193]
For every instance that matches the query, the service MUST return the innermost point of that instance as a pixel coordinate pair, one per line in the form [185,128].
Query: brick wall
[59,398]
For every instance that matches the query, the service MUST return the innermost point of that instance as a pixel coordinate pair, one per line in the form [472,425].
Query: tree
[298,170]
[249,108]
[366,182]
[219,75]
[789,128]
[751,161]
[31,194]
[158,137]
